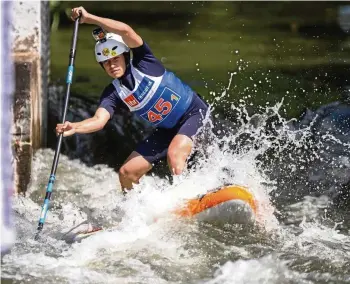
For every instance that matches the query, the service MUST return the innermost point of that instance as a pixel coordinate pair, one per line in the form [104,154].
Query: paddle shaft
[60,137]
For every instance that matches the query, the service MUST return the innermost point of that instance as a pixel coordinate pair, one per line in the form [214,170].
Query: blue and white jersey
[159,100]
[149,90]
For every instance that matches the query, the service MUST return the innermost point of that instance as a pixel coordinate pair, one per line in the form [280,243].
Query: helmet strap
[127,58]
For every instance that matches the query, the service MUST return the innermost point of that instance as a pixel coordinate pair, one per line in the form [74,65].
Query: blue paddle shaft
[52,178]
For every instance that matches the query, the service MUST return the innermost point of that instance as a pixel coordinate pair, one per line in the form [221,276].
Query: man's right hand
[80,11]
[67,129]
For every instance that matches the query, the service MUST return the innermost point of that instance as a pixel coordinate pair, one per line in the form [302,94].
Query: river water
[300,236]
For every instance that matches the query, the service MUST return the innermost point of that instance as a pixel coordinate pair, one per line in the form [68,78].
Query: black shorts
[155,147]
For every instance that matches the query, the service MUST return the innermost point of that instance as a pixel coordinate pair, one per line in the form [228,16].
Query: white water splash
[147,244]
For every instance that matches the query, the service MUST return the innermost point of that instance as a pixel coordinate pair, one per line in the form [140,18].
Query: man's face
[115,67]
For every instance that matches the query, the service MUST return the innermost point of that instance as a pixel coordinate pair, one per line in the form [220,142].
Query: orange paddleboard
[231,204]
[228,204]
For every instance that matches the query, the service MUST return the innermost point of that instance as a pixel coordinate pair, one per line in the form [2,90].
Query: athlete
[143,85]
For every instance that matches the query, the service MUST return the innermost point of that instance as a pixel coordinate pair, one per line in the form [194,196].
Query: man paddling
[143,86]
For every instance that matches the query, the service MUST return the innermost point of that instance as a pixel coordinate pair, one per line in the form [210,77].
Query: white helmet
[112,46]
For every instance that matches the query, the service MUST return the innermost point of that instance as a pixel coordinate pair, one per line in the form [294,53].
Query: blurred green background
[273,50]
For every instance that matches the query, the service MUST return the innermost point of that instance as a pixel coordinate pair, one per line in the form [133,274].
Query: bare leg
[132,170]
[179,150]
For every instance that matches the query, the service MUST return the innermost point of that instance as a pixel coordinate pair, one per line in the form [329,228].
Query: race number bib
[163,107]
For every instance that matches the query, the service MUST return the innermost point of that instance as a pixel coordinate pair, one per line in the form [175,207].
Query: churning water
[301,235]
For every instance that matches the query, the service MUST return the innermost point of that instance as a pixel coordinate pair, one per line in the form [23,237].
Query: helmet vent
[115,47]
[98,53]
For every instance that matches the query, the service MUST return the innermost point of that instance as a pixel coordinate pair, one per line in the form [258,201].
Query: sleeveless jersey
[159,100]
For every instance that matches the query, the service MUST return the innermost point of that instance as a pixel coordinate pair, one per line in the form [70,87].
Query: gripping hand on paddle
[66,128]
[80,11]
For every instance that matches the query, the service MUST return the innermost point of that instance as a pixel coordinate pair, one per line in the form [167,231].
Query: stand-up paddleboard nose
[228,204]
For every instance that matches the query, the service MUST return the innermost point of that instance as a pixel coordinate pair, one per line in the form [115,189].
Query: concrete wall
[30,47]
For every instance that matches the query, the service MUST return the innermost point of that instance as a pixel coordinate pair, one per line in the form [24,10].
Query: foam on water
[268,269]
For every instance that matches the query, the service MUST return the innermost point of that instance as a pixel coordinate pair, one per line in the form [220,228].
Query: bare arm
[93,124]
[130,37]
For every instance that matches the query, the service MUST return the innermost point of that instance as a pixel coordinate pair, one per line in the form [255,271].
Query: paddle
[59,142]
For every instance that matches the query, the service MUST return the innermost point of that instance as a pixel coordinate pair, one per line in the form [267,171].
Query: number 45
[162,107]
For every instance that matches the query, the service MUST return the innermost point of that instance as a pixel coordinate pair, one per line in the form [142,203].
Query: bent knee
[176,161]
[173,155]
[125,173]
